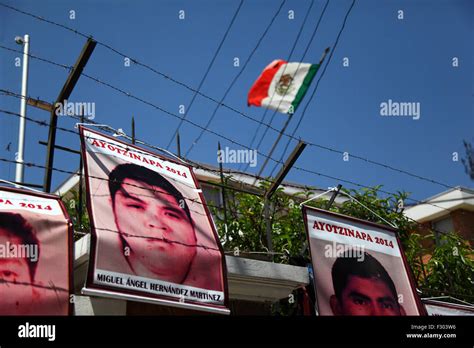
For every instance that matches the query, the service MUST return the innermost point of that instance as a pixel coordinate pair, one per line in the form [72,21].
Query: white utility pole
[25,41]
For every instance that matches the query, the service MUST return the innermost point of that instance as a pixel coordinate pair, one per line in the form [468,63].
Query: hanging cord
[438,298]
[332,189]
[373,212]
[18,185]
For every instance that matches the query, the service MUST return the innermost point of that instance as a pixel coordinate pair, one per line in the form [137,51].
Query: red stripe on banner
[259,90]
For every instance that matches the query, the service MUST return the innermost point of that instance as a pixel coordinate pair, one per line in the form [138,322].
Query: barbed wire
[229,187]
[193,123]
[166,240]
[194,200]
[36,285]
[211,205]
[28,164]
[362,158]
[113,130]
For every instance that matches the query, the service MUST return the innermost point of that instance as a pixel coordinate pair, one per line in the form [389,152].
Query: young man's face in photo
[143,210]
[366,296]
[15,297]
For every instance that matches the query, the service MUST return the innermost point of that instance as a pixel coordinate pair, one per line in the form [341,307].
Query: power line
[317,83]
[45,124]
[128,94]
[205,168]
[115,131]
[206,73]
[219,135]
[135,61]
[235,78]
[39,122]
[42,123]
[302,59]
[205,96]
[34,165]
[30,164]
[111,129]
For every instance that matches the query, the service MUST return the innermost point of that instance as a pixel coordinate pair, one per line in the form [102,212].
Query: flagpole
[326,51]
[20,169]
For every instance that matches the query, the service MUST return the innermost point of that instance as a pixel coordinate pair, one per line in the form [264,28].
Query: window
[445,225]
[212,194]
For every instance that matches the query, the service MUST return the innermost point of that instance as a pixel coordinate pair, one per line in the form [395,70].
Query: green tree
[80,221]
[449,270]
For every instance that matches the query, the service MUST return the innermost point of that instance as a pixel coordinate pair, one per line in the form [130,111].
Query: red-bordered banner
[359,267]
[153,238]
[35,254]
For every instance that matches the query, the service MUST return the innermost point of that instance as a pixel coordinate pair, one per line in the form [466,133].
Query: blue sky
[407,60]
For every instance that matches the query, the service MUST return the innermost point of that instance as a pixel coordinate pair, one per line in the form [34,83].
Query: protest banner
[359,267]
[153,238]
[35,254]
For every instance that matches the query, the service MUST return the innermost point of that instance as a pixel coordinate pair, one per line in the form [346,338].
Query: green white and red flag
[282,85]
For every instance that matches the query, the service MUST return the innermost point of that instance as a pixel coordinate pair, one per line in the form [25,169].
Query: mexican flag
[282,85]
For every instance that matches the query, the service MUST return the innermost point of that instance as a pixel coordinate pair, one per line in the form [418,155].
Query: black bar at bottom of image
[214,329]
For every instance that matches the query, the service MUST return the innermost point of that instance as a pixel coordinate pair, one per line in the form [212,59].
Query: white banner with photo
[152,233]
[359,267]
